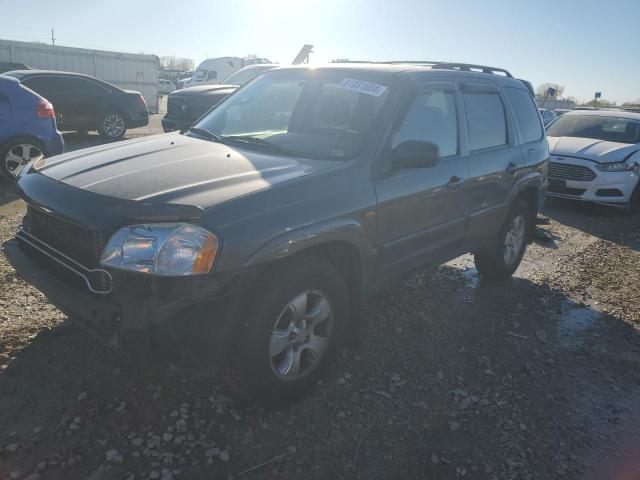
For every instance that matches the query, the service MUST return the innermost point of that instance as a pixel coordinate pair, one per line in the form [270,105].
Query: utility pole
[53,39]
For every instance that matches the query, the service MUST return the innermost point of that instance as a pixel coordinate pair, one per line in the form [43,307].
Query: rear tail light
[141,101]
[45,110]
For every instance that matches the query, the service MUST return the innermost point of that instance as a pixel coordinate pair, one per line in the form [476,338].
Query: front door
[421,211]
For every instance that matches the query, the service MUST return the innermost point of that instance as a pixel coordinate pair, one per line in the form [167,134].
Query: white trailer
[125,70]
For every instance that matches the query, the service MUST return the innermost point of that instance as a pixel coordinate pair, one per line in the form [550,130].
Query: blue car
[27,128]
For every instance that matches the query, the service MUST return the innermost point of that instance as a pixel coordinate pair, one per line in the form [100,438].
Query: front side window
[431,118]
[597,127]
[526,113]
[308,113]
[486,120]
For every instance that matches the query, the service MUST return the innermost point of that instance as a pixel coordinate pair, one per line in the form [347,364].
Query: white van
[213,70]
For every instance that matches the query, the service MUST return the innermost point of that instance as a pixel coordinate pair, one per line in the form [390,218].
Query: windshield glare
[608,129]
[307,113]
[244,76]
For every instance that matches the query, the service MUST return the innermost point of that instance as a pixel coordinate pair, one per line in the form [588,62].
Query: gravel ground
[535,378]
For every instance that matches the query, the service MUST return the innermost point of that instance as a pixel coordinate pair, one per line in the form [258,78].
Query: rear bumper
[54,144]
[138,119]
[172,124]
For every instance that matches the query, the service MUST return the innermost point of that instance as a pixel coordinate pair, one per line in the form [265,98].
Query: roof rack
[469,67]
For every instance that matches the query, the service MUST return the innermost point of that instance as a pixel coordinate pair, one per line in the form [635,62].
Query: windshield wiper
[256,141]
[206,133]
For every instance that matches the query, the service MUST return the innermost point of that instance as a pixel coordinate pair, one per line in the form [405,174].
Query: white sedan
[595,157]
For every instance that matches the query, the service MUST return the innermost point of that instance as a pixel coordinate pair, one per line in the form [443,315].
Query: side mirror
[416,154]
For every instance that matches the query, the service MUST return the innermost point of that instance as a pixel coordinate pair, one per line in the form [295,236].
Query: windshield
[307,113]
[245,75]
[608,129]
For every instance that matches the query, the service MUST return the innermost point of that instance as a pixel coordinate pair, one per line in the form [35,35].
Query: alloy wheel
[113,125]
[514,239]
[300,336]
[19,156]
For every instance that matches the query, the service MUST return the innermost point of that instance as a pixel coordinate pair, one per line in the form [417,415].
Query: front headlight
[614,167]
[162,249]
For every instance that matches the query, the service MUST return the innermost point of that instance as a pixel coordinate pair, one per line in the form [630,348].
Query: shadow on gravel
[6,192]
[597,220]
[454,378]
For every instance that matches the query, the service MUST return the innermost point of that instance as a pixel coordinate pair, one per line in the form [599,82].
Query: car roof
[604,113]
[29,73]
[412,70]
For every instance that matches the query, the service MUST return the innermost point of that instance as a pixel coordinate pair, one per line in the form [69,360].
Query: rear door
[51,87]
[84,100]
[421,211]
[494,161]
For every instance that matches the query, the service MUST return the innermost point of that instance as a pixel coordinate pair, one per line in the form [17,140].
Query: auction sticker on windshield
[360,86]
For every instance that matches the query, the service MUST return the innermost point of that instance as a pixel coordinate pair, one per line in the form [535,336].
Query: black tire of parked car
[250,373]
[634,203]
[490,262]
[5,148]
[112,125]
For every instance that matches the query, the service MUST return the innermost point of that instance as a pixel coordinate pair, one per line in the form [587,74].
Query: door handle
[454,182]
[511,168]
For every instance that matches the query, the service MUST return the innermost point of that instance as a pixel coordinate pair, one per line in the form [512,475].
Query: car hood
[591,149]
[202,89]
[174,168]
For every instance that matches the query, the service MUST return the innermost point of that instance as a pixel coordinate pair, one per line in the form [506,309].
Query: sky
[585,45]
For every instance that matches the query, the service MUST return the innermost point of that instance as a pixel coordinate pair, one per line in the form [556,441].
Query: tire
[263,366]
[501,259]
[634,203]
[112,125]
[16,153]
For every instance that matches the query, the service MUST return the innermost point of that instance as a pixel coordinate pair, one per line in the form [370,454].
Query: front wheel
[112,125]
[295,324]
[500,260]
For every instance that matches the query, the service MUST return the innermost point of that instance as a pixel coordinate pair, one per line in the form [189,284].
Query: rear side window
[526,113]
[486,120]
[45,85]
[431,118]
[81,85]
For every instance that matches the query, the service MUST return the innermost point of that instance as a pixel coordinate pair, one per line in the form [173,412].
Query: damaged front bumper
[193,314]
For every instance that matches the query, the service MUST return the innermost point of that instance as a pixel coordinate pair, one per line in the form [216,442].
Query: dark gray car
[252,240]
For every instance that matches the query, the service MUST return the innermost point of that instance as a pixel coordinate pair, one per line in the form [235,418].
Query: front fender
[295,241]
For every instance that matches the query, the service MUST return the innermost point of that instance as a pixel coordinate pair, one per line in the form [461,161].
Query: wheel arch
[104,110]
[29,137]
[529,190]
